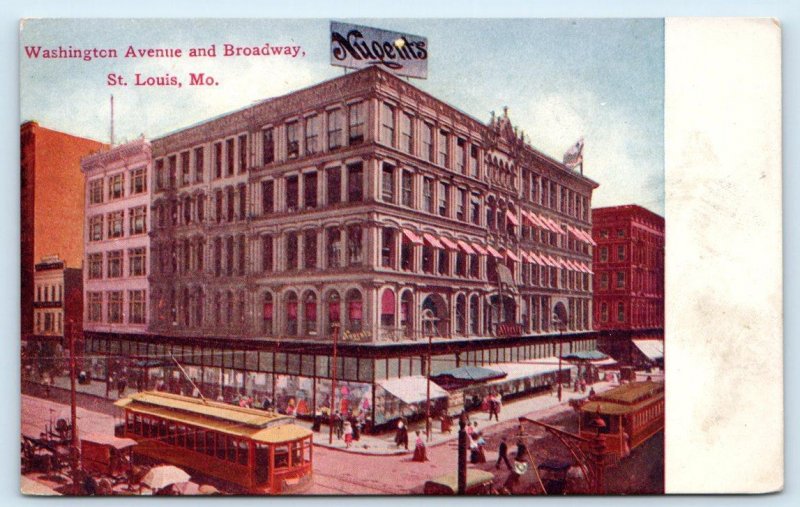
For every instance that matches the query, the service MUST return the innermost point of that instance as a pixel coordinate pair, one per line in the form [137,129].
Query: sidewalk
[383,444]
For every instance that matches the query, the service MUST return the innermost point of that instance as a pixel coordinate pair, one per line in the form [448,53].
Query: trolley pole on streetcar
[336,327]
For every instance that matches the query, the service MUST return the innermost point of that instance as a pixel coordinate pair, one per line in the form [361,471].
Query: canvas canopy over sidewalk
[412,389]
[653,349]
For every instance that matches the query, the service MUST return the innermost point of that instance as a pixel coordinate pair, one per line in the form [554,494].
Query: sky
[561,79]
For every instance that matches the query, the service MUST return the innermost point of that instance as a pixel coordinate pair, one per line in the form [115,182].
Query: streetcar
[261,452]
[626,416]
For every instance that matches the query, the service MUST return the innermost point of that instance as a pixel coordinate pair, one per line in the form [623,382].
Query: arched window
[310,309]
[461,314]
[355,311]
[473,315]
[291,313]
[387,309]
[407,313]
[334,310]
[267,315]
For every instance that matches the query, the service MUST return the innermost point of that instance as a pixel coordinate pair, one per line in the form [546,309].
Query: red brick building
[51,204]
[629,276]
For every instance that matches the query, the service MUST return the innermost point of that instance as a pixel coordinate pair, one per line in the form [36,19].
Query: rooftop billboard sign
[357,47]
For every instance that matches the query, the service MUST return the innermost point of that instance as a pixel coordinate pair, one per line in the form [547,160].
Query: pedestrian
[420,452]
[522,451]
[494,407]
[348,434]
[481,443]
[447,423]
[338,422]
[592,394]
[401,437]
[502,455]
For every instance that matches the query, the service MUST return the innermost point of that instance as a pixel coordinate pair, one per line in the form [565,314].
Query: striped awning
[494,252]
[412,237]
[480,249]
[448,243]
[511,255]
[465,247]
[432,240]
[511,217]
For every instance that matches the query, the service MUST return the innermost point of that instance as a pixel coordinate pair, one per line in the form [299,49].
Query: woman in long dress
[420,453]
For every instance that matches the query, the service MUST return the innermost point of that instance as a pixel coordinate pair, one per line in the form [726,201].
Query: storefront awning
[465,247]
[412,237]
[450,245]
[494,252]
[413,389]
[585,355]
[527,369]
[653,349]
[511,217]
[471,373]
[432,240]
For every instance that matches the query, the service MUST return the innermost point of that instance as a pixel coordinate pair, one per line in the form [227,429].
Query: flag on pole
[574,156]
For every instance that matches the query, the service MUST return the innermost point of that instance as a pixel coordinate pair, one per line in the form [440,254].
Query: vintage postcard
[364,257]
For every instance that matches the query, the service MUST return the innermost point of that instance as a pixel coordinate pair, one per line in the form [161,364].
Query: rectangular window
[310,190]
[96,191]
[355,182]
[620,279]
[116,186]
[243,153]
[312,134]
[115,224]
[335,127]
[136,307]
[461,197]
[387,248]
[242,202]
[266,254]
[242,251]
[231,204]
[427,142]
[621,312]
[137,218]
[387,182]
[387,124]
[427,194]
[96,228]
[217,256]
[334,185]
[461,156]
[115,307]
[268,148]
[292,140]
[114,264]
[444,149]
[218,160]
[199,164]
[172,162]
[604,280]
[95,263]
[357,119]
[291,252]
[185,174]
[473,161]
[354,245]
[229,259]
[408,189]
[310,249]
[620,252]
[444,197]
[229,156]
[475,209]
[95,312]
[292,196]
[444,261]
[268,196]
[603,253]
[137,261]
[407,133]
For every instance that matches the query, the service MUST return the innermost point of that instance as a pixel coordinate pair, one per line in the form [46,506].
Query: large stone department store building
[362,204]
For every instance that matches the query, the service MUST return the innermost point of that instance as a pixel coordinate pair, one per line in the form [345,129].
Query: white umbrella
[162,476]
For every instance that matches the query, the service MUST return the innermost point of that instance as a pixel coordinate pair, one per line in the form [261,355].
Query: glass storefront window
[322,366]
[265,361]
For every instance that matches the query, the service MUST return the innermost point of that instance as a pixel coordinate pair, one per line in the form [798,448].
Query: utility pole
[462,454]
[428,396]
[557,322]
[74,449]
[336,327]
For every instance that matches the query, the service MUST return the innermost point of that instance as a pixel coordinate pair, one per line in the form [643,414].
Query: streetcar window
[281,456]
